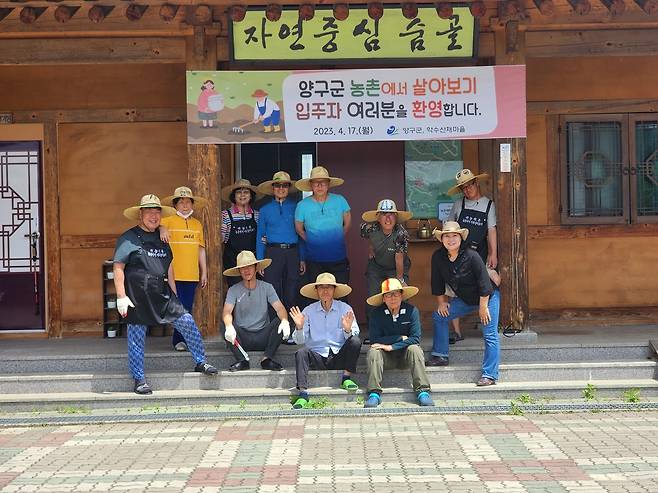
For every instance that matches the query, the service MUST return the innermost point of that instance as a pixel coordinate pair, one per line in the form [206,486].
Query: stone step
[256,378]
[539,393]
[110,356]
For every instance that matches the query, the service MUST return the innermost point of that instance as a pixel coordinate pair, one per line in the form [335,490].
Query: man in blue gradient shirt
[281,243]
[322,220]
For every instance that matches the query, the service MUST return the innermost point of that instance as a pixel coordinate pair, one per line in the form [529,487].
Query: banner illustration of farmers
[356,105]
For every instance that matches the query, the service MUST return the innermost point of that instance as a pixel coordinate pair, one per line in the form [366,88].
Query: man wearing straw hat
[146,290]
[246,315]
[395,331]
[329,333]
[322,221]
[277,225]
[184,234]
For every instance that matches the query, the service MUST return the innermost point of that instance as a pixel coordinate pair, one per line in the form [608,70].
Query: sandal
[349,384]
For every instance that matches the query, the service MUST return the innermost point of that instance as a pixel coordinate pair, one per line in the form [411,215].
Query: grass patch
[73,410]
[590,392]
[631,395]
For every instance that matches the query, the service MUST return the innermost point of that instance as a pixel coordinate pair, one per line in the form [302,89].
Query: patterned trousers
[137,336]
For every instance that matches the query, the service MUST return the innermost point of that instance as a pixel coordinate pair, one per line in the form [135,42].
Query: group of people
[266,252]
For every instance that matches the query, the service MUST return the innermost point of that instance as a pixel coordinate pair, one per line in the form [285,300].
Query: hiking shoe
[373,400]
[300,403]
[349,384]
[437,361]
[142,388]
[181,346]
[205,368]
[424,399]
[485,382]
[270,364]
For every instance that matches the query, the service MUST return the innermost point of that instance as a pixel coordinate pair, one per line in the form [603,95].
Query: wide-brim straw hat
[309,290]
[185,193]
[463,177]
[245,259]
[148,201]
[266,188]
[450,227]
[318,173]
[389,285]
[386,205]
[241,183]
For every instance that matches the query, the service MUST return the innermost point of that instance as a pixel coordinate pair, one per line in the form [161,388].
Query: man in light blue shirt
[329,332]
[322,221]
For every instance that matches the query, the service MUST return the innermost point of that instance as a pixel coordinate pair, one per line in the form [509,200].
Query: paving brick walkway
[549,453]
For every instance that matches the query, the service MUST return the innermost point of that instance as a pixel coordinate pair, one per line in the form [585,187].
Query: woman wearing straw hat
[239,223]
[461,268]
[246,315]
[184,234]
[395,332]
[388,244]
[146,290]
[322,221]
[476,213]
[329,333]
[277,225]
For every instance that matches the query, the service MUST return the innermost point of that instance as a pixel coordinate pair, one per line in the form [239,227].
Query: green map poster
[430,169]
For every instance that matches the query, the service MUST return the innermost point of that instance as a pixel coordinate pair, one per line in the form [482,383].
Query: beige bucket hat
[318,173]
[386,205]
[148,201]
[185,192]
[463,177]
[450,227]
[241,183]
[245,259]
[266,188]
[392,284]
[309,290]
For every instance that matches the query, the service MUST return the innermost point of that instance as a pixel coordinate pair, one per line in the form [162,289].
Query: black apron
[146,282]
[476,223]
[241,237]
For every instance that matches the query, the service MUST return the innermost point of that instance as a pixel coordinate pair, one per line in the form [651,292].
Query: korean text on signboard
[357,37]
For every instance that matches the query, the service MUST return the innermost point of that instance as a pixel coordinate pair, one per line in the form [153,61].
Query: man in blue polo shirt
[277,226]
[322,220]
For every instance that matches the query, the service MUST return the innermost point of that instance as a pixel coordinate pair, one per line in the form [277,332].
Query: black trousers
[283,273]
[266,339]
[345,359]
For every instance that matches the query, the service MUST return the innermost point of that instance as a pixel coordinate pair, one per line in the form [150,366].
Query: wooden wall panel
[591,78]
[106,167]
[537,168]
[597,272]
[82,299]
[21,131]
[64,87]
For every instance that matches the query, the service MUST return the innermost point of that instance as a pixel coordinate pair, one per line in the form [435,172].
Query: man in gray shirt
[246,316]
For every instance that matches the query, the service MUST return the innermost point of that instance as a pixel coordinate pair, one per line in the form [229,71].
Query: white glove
[230,334]
[123,304]
[284,329]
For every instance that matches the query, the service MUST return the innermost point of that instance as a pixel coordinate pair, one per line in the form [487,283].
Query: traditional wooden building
[92,116]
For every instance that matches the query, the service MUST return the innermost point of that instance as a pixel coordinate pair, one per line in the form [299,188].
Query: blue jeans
[490,332]
[185,291]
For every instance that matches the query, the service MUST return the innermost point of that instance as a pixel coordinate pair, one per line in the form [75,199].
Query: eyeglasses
[280,185]
[469,184]
[243,190]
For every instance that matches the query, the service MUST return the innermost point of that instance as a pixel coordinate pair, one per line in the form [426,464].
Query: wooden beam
[590,231]
[616,7]
[51,229]
[581,7]
[650,7]
[545,7]
[88,241]
[510,195]
[92,51]
[576,107]
[629,42]
[103,116]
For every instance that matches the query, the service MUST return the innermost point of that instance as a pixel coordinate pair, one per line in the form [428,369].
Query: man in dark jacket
[395,341]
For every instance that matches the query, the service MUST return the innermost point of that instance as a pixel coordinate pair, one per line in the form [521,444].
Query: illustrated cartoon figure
[208,104]
[266,111]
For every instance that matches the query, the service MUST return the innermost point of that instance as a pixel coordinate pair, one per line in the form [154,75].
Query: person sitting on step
[395,331]
[329,333]
[246,316]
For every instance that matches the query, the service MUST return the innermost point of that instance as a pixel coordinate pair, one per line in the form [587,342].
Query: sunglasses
[281,185]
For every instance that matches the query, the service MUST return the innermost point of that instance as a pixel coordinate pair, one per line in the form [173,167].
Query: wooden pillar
[510,195]
[51,230]
[204,177]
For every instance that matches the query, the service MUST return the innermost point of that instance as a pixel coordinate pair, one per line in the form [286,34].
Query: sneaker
[205,368]
[373,400]
[437,361]
[424,399]
[300,403]
[485,382]
[142,388]
[349,384]
[181,346]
